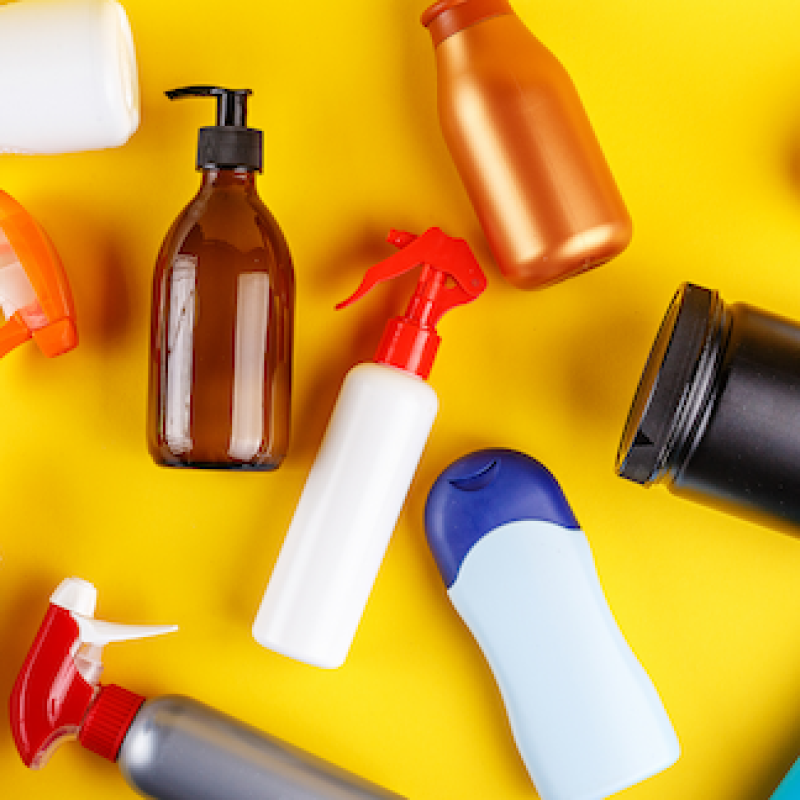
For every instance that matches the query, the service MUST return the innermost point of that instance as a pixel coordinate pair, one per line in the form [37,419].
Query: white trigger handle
[98,633]
[79,597]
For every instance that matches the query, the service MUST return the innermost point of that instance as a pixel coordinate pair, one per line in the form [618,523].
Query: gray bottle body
[180,749]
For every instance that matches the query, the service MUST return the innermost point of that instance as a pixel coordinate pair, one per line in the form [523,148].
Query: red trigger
[450,276]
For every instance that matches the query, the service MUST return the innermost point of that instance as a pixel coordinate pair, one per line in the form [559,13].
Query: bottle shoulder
[228,225]
[389,378]
[500,52]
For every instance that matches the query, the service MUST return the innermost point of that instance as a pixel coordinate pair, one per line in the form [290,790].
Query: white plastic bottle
[357,485]
[68,76]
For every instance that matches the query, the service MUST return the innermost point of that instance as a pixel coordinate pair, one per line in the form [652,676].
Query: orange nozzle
[35,297]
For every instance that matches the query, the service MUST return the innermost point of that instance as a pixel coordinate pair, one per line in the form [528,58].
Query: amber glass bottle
[222,314]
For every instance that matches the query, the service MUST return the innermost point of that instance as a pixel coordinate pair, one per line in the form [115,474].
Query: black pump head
[230,144]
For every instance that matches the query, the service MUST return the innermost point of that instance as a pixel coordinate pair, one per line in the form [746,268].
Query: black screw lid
[672,384]
[229,144]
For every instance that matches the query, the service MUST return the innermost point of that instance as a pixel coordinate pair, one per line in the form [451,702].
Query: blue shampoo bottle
[518,569]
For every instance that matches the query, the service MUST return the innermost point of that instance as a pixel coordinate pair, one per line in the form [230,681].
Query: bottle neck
[447,17]
[240,178]
[107,722]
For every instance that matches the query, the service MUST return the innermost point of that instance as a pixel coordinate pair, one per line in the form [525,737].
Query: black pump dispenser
[229,144]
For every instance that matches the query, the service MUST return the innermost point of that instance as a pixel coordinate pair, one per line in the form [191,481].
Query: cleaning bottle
[523,145]
[35,296]
[170,748]
[585,716]
[223,310]
[790,786]
[358,483]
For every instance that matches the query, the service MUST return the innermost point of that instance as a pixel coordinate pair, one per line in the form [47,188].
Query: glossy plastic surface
[525,150]
[483,491]
[35,296]
[50,697]
[347,512]
[221,338]
[59,680]
[585,716]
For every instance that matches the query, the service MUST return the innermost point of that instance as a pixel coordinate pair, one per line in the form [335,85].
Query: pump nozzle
[231,103]
[59,682]
[35,297]
[450,277]
[229,144]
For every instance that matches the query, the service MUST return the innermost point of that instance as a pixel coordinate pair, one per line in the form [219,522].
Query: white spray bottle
[369,454]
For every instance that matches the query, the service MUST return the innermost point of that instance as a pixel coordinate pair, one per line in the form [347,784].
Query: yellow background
[697,106]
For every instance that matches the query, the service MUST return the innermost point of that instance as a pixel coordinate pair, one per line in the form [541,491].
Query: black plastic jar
[717,412]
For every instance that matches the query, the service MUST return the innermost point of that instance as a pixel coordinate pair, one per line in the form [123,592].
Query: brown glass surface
[221,333]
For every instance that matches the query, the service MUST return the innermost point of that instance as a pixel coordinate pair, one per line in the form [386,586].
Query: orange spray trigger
[450,276]
[35,297]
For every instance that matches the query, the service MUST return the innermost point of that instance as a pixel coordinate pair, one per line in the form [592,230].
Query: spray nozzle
[59,683]
[450,276]
[35,297]
[229,144]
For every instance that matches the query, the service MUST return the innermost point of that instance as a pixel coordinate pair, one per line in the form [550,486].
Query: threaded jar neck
[692,415]
[677,388]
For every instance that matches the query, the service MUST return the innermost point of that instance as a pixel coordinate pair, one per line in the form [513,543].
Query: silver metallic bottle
[180,749]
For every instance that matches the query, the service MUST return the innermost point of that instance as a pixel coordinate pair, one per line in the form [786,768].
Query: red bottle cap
[108,720]
[447,17]
[450,277]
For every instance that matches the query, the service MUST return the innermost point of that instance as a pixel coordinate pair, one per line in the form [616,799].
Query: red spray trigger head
[60,679]
[450,277]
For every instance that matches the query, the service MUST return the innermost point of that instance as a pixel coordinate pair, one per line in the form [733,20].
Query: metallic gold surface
[527,154]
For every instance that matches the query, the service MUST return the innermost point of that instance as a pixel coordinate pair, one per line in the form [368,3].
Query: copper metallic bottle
[523,146]
[223,306]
